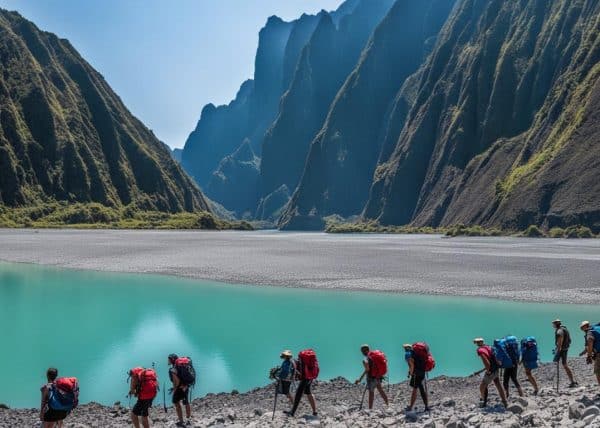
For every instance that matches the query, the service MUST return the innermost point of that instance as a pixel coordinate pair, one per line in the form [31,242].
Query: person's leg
[298,397]
[145,422]
[597,367]
[179,411]
[483,391]
[371,398]
[565,364]
[424,396]
[382,392]
[515,379]
[413,399]
[135,420]
[506,378]
[188,407]
[313,403]
[532,380]
[500,391]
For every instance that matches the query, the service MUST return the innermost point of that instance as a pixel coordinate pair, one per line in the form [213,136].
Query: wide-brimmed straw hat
[478,340]
[407,346]
[557,321]
[286,354]
[584,324]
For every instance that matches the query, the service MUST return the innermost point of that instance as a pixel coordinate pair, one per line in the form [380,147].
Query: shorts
[284,387]
[181,395]
[416,380]
[304,387]
[489,378]
[142,407]
[373,382]
[562,356]
[597,365]
[52,415]
[530,365]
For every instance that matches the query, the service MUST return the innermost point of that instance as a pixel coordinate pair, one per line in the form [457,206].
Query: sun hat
[557,321]
[478,340]
[407,346]
[286,353]
[584,324]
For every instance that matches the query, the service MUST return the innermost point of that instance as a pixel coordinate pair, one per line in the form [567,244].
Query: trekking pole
[557,374]
[164,397]
[363,396]
[276,394]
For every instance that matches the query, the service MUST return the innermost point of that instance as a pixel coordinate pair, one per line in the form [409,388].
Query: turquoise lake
[96,326]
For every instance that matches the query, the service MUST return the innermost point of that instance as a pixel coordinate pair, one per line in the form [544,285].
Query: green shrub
[556,232]
[533,232]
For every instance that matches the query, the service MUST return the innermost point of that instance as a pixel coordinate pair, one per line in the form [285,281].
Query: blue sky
[166,59]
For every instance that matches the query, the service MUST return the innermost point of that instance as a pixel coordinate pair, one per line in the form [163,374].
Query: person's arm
[133,386]
[176,381]
[364,373]
[44,401]
[486,363]
[411,366]
[559,343]
[589,347]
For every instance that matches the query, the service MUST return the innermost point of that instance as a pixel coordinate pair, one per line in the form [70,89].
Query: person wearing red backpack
[144,386]
[181,391]
[375,369]
[307,370]
[416,374]
[491,369]
[49,415]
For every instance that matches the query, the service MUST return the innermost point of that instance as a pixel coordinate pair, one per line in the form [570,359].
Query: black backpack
[185,371]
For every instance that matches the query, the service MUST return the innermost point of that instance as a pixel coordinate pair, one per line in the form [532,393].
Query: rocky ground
[455,404]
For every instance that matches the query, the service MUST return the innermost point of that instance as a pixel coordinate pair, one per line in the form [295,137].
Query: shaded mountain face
[343,157]
[325,63]
[221,130]
[65,135]
[501,131]
[235,182]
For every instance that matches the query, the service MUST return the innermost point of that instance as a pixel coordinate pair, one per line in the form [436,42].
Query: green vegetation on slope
[98,216]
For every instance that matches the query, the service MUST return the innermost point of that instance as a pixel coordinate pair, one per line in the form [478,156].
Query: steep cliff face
[65,135]
[221,130]
[235,182]
[494,130]
[324,64]
[343,156]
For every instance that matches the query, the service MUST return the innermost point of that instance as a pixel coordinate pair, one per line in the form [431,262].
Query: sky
[166,59]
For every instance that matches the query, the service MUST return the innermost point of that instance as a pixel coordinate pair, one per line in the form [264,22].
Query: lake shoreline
[515,269]
[454,400]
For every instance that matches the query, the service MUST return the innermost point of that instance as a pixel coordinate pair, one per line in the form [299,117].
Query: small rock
[449,403]
[4,406]
[259,412]
[522,401]
[235,392]
[454,422]
[575,411]
[590,411]
[515,408]
[411,416]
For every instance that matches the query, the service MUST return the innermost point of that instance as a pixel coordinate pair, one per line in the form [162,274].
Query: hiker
[59,397]
[307,370]
[144,386]
[183,377]
[375,369]
[286,374]
[419,363]
[491,372]
[529,358]
[592,346]
[562,340]
[506,351]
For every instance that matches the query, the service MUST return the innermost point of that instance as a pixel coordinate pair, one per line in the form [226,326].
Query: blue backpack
[596,332]
[506,351]
[63,394]
[529,350]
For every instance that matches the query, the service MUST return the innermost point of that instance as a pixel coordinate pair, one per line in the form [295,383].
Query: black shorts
[52,415]
[284,387]
[416,380]
[304,387]
[181,395]
[141,407]
[564,356]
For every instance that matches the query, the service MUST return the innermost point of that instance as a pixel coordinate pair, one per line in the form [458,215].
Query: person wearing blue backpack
[59,398]
[592,346]
[506,351]
[529,358]
[286,374]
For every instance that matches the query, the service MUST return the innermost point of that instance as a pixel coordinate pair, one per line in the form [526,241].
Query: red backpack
[423,358]
[147,383]
[379,365]
[310,364]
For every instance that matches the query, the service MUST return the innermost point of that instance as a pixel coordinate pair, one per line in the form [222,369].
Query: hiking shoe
[408,409]
[427,409]
[573,384]
[482,404]
[505,404]
[315,414]
[180,424]
[535,392]
[288,413]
